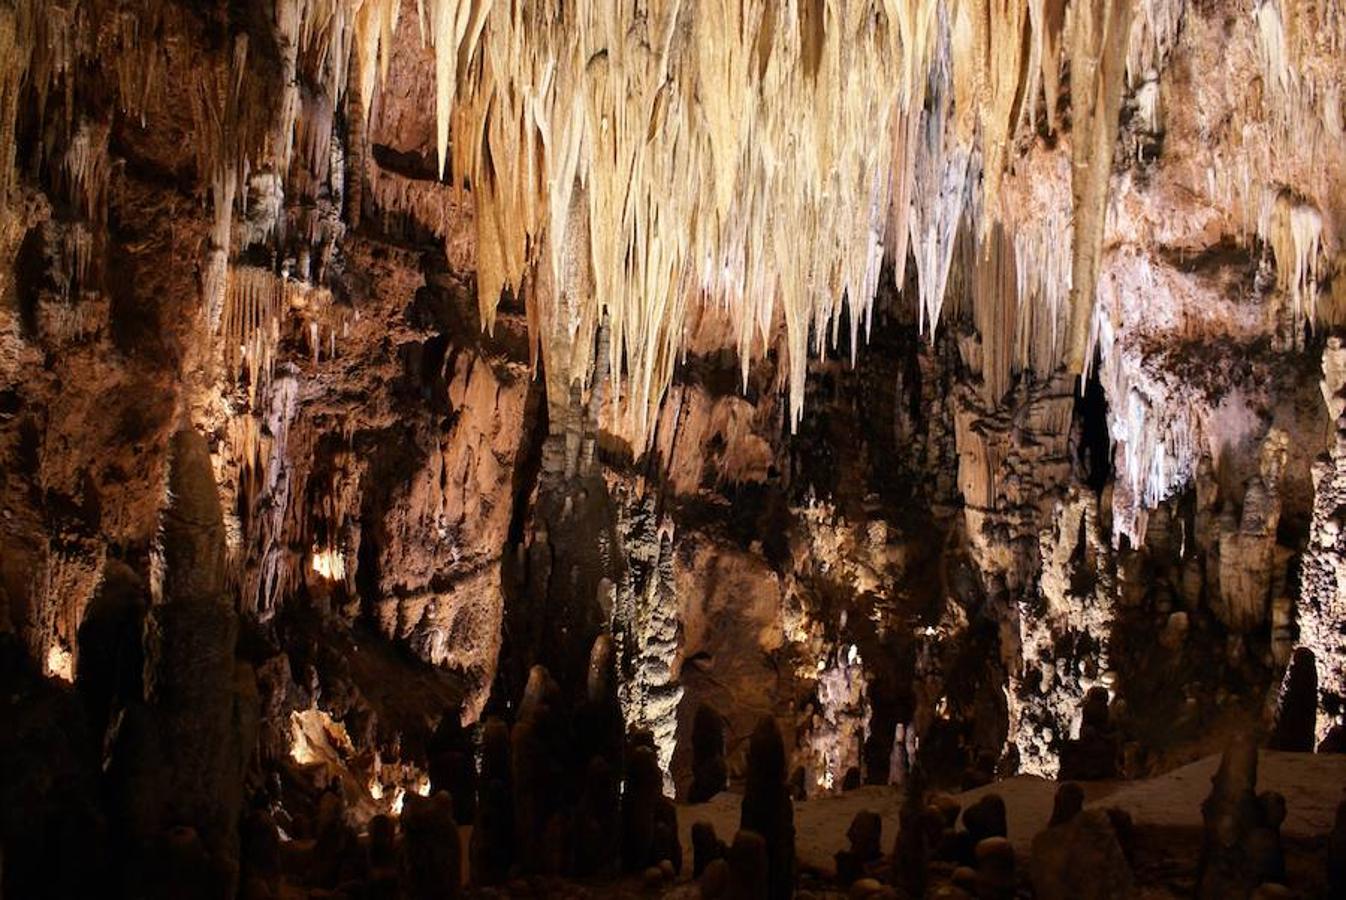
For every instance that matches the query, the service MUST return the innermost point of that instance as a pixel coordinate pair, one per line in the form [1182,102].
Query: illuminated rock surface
[398,397]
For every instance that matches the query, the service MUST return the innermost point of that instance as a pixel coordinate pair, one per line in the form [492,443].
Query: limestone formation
[641,796]
[404,397]
[1065,638]
[1336,852]
[985,819]
[1320,610]
[195,717]
[912,851]
[865,835]
[539,742]
[706,847]
[382,846]
[1067,805]
[749,867]
[451,767]
[493,843]
[1297,708]
[1241,846]
[995,869]
[709,773]
[431,864]
[1093,755]
[767,809]
[1081,858]
[597,821]
[667,848]
[714,881]
[1248,557]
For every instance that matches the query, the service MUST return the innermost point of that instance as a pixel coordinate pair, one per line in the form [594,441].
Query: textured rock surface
[902,372]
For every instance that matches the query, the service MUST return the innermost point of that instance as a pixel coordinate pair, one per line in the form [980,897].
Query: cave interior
[642,448]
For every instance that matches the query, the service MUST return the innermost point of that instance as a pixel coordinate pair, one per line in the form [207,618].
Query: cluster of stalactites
[639,165]
[256,305]
[797,143]
[251,325]
[1303,43]
[639,160]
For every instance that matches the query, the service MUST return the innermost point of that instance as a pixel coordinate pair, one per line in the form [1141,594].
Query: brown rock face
[803,362]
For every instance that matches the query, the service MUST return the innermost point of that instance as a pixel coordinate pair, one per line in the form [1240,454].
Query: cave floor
[1166,811]
[1312,784]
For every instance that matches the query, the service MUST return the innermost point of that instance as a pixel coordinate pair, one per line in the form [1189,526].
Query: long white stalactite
[759,157]
[643,160]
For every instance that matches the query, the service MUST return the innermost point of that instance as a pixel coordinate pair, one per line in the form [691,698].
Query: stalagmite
[1065,633]
[1322,606]
[648,633]
[195,719]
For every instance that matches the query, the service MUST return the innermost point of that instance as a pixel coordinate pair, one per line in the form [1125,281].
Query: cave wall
[892,523]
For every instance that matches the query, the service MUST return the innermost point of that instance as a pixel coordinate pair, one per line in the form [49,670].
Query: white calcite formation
[1065,628]
[1248,554]
[648,632]
[837,729]
[1322,601]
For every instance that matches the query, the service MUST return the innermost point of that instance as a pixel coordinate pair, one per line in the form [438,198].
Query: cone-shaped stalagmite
[599,743]
[1297,712]
[492,845]
[186,751]
[710,775]
[431,863]
[767,808]
[540,745]
[1240,848]
[640,802]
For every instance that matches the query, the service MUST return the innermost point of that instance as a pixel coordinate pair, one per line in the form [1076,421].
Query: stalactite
[1047,22]
[1006,68]
[250,326]
[354,176]
[682,219]
[327,520]
[1043,271]
[941,178]
[995,304]
[65,583]
[1154,31]
[920,28]
[15,50]
[86,170]
[454,28]
[1098,62]
[1294,230]
[323,319]
[257,304]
